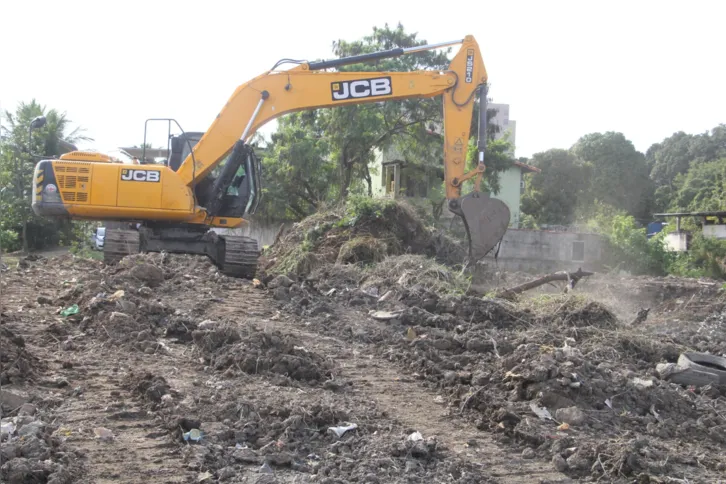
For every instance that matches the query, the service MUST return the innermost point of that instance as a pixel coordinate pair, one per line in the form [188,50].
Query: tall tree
[552,196]
[297,169]
[619,176]
[701,188]
[17,163]
[356,131]
[676,154]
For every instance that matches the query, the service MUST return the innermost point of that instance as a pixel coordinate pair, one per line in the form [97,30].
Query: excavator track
[239,257]
[120,243]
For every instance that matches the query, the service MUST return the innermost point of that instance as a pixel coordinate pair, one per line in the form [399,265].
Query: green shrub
[629,248]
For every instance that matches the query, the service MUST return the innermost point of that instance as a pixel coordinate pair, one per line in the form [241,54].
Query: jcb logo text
[380,86]
[469,66]
[141,175]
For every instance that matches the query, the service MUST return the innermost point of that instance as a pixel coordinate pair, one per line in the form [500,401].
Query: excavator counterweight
[212,179]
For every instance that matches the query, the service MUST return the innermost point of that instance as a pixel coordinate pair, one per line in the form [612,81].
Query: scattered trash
[439,399]
[609,403]
[205,476]
[386,296]
[331,292]
[103,434]
[542,413]
[410,334]
[265,469]
[564,426]
[70,311]
[195,435]
[642,382]
[385,315]
[340,431]
[697,369]
[415,437]
[117,295]
[7,428]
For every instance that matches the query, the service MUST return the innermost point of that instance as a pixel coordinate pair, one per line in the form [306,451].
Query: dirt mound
[16,362]
[252,351]
[32,452]
[322,437]
[364,231]
[591,376]
[149,387]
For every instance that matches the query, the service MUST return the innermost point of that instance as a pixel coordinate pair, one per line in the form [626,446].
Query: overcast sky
[566,68]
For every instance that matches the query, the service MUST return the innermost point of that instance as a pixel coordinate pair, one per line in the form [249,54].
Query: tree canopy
[323,155]
[18,224]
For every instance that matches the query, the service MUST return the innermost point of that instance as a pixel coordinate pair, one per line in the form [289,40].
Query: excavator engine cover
[486,220]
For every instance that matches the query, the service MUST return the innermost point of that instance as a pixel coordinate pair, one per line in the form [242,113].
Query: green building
[394,176]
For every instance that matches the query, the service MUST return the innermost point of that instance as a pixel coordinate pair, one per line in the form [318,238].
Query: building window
[521,186]
[578,251]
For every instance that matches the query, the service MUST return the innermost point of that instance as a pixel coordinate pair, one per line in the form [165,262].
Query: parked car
[98,237]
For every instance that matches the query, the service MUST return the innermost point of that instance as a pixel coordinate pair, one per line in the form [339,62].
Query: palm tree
[16,162]
[54,138]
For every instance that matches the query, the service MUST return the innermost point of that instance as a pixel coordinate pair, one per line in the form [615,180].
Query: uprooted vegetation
[363,231]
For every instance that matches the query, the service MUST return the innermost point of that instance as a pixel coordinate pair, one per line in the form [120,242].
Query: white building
[506,125]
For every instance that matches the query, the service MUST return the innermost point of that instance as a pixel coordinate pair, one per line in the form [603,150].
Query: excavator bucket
[486,220]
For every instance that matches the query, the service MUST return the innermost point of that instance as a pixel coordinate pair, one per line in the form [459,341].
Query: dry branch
[571,278]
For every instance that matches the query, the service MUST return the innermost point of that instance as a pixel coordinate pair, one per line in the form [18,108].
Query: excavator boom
[178,203]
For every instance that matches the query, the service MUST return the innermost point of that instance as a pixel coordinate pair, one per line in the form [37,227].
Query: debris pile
[364,231]
[247,349]
[17,364]
[362,357]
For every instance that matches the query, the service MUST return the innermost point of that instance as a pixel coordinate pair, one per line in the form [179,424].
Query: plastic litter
[7,428]
[415,437]
[340,431]
[194,435]
[542,413]
[385,315]
[70,311]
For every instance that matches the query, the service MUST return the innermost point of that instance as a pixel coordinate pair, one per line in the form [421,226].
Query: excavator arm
[310,86]
[173,207]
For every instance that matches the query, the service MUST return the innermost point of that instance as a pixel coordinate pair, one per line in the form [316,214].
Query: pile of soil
[558,377]
[234,349]
[372,330]
[17,364]
[361,232]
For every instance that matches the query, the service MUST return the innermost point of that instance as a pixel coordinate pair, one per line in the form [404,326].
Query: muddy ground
[170,372]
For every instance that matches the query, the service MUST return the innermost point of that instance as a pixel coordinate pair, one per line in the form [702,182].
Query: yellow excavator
[212,179]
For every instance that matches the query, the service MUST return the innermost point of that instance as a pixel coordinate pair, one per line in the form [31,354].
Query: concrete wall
[676,241]
[542,251]
[716,231]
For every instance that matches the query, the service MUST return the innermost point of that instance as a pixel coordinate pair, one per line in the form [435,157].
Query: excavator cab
[233,189]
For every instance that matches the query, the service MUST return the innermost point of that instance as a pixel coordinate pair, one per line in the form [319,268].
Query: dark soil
[442,385]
